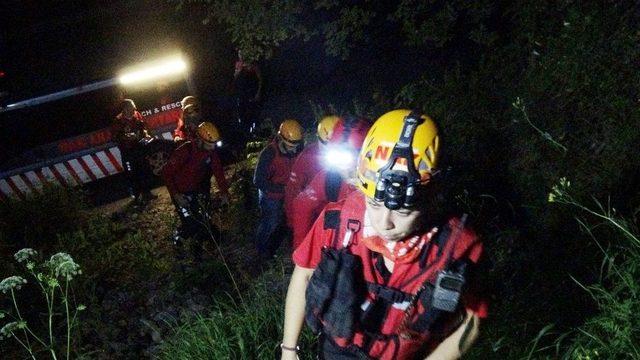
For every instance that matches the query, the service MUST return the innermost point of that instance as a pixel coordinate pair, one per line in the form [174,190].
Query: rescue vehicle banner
[82,159]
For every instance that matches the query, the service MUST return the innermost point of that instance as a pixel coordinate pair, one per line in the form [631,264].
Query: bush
[614,332]
[36,221]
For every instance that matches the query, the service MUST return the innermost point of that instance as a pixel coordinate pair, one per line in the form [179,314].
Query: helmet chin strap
[394,187]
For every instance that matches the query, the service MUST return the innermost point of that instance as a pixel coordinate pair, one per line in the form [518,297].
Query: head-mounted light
[339,158]
[396,188]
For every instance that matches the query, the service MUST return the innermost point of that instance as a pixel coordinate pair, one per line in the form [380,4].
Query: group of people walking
[381,272]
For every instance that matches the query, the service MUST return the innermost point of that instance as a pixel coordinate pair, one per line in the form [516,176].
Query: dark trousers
[133,163]
[271,215]
[195,222]
[248,116]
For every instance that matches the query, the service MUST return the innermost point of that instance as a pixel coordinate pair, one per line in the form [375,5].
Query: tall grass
[614,332]
[234,329]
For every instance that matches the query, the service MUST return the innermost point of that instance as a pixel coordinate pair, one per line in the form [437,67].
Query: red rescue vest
[396,320]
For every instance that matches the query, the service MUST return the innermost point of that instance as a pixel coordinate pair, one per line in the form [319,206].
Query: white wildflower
[64,266]
[12,282]
[25,254]
[8,329]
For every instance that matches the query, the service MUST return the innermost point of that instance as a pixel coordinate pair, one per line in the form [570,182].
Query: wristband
[295,348]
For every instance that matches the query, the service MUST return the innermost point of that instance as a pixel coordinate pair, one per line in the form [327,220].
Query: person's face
[192,116]
[206,145]
[128,111]
[288,147]
[392,225]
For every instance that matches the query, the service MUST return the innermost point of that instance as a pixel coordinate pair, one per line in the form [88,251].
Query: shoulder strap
[332,184]
[332,221]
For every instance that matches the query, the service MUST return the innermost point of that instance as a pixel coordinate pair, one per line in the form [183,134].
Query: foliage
[238,329]
[53,277]
[258,27]
[614,332]
[37,220]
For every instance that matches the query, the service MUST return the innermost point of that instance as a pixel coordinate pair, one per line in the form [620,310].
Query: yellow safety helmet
[291,132]
[326,126]
[384,171]
[208,132]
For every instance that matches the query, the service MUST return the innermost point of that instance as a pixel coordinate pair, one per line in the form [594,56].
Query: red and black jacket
[307,165]
[325,187]
[272,171]
[190,168]
[121,126]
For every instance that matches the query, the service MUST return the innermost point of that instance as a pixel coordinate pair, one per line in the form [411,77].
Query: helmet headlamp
[339,158]
[394,187]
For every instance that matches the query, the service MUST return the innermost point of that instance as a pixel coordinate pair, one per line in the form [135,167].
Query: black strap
[332,221]
[387,293]
[332,185]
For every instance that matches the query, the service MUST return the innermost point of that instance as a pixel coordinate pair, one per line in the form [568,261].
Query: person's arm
[258,95]
[172,169]
[459,341]
[293,188]
[218,173]
[117,131]
[306,207]
[261,175]
[142,125]
[294,309]
[178,133]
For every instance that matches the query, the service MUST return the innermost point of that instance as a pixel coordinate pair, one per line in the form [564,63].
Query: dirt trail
[185,289]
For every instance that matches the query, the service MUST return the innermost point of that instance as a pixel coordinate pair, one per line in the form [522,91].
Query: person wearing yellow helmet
[187,176]
[391,282]
[334,181]
[308,165]
[270,177]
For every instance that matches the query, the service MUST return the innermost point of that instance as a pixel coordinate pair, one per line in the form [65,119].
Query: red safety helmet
[350,132]
[345,143]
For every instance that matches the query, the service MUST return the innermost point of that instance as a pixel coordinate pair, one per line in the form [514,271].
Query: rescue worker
[307,165]
[334,181]
[187,176]
[189,119]
[391,280]
[270,177]
[128,129]
[247,88]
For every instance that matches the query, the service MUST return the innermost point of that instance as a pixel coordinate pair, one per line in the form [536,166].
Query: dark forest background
[538,104]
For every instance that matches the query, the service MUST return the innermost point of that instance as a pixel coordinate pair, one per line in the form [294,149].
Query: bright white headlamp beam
[165,68]
[341,159]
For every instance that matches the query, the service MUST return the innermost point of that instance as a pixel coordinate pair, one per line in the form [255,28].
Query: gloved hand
[177,139]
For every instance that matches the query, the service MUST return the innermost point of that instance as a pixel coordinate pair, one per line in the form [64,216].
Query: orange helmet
[208,132]
[291,132]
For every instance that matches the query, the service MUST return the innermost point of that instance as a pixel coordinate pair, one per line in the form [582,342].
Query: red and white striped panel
[72,172]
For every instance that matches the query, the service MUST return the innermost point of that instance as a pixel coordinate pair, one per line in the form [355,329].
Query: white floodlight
[169,67]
